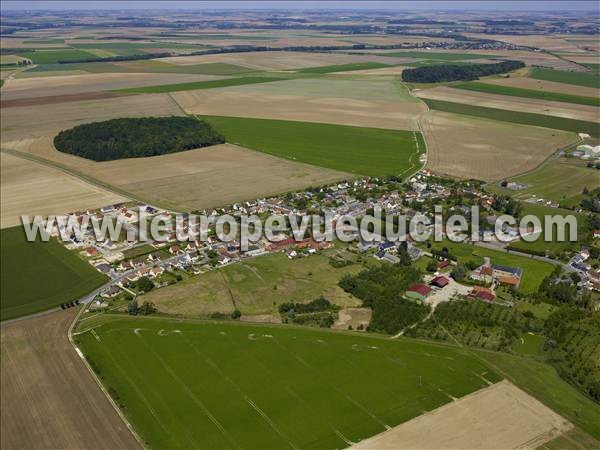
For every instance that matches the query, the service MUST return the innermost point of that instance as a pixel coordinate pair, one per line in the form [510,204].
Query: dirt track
[48,398]
[499,417]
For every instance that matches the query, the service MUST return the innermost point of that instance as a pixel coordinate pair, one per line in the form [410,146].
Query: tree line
[135,138]
[453,72]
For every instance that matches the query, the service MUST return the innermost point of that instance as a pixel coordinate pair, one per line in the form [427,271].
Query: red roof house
[439,281]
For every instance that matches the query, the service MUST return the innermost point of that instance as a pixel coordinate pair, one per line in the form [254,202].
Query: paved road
[566,267]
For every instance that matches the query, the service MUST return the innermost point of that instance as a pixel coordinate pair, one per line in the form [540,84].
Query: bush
[136,138]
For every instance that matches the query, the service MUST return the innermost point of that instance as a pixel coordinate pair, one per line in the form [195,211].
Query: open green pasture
[40,275]
[562,76]
[359,150]
[230,385]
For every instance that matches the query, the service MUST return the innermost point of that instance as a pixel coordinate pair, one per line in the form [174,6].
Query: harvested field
[43,120]
[77,84]
[280,60]
[60,99]
[546,86]
[499,417]
[193,179]
[342,111]
[529,105]
[353,319]
[32,188]
[52,399]
[470,147]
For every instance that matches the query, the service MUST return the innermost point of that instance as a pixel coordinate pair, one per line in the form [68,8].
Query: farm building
[439,282]
[482,293]
[418,292]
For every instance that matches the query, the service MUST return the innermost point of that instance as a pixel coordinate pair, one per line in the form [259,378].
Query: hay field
[43,120]
[193,179]
[286,387]
[280,60]
[336,110]
[470,147]
[546,86]
[52,398]
[530,105]
[75,84]
[499,417]
[31,188]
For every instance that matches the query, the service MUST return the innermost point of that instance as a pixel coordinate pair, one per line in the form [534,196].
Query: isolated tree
[147,308]
[132,307]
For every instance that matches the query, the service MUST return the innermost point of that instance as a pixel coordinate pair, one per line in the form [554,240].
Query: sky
[473,5]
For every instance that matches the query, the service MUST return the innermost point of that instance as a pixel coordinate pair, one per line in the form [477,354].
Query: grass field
[258,286]
[37,275]
[529,93]
[533,271]
[549,181]
[270,386]
[365,151]
[343,67]
[54,56]
[531,344]
[561,76]
[525,118]
[199,85]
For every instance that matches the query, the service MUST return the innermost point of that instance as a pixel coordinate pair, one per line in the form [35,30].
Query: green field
[364,151]
[549,181]
[530,345]
[39,275]
[155,66]
[528,93]
[212,84]
[230,385]
[259,286]
[54,56]
[540,120]
[534,271]
[561,76]
[440,56]
[343,67]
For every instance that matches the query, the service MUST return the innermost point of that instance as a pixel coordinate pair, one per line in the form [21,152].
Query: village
[132,264]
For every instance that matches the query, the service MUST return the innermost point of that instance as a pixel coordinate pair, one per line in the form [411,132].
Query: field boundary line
[97,380]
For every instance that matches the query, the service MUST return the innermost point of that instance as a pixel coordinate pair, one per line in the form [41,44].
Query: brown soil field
[470,147]
[593,59]
[49,399]
[281,60]
[28,187]
[194,179]
[353,317]
[546,86]
[60,99]
[43,120]
[531,105]
[342,111]
[76,84]
[499,417]
[553,43]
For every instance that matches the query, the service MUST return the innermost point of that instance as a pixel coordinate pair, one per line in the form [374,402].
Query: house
[508,280]
[439,282]
[174,250]
[155,256]
[596,234]
[125,265]
[391,258]
[506,271]
[156,271]
[414,252]
[481,293]
[418,292]
[443,264]
[91,251]
[111,292]
[483,273]
[104,268]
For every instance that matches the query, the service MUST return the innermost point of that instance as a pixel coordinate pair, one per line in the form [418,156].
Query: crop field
[43,120]
[365,151]
[520,421]
[200,85]
[69,85]
[549,181]
[343,67]
[528,93]
[544,86]
[525,118]
[285,386]
[534,271]
[554,109]
[44,382]
[39,275]
[229,174]
[54,56]
[440,56]
[32,188]
[157,66]
[469,147]
[560,76]
[256,287]
[280,60]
